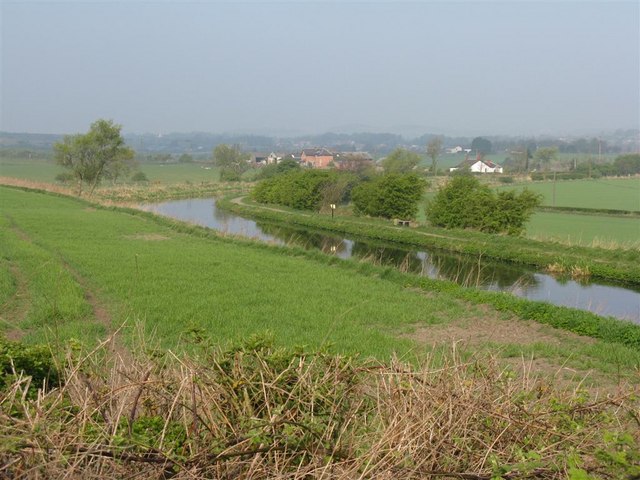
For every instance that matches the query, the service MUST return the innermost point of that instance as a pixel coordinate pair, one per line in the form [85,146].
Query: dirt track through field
[16,308]
[99,311]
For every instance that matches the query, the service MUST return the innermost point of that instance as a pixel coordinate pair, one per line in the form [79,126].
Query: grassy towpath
[617,264]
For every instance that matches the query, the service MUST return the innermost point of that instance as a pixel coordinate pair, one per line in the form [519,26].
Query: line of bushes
[540,176]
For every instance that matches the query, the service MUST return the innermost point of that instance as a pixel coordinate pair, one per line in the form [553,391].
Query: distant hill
[34,141]
[378,144]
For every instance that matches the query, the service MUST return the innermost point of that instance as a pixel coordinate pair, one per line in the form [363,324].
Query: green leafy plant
[389,196]
[464,202]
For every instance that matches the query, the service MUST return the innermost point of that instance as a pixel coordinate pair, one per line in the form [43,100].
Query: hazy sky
[471,67]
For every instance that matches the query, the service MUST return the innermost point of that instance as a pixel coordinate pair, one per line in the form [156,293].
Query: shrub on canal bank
[305,189]
[466,203]
[389,196]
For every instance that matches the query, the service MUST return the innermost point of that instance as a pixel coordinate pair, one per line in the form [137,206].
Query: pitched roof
[470,162]
[316,152]
[355,156]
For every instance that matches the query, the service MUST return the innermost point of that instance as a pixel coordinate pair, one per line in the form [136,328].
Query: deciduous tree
[400,161]
[389,196]
[99,153]
[546,155]
[481,145]
[231,161]
[628,164]
[433,151]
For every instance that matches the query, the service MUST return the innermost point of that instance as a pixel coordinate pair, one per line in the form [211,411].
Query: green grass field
[173,282]
[587,230]
[36,170]
[46,171]
[605,193]
[180,172]
[83,270]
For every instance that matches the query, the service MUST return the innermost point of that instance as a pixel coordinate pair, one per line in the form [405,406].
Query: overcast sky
[471,67]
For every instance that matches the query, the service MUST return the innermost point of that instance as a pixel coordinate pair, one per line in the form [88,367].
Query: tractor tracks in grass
[15,310]
[22,297]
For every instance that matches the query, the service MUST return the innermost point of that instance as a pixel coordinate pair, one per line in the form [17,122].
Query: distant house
[479,165]
[274,158]
[316,157]
[259,158]
[353,161]
[267,159]
[457,149]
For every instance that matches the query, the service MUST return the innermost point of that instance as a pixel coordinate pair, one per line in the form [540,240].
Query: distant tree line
[25,154]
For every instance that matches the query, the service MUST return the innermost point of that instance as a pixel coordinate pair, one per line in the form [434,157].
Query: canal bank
[600,297]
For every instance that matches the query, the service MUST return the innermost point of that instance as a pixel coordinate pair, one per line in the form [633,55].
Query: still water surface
[604,299]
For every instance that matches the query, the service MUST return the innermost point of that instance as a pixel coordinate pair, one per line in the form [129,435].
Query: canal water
[602,298]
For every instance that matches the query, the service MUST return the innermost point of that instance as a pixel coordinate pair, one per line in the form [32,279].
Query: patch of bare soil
[149,237]
[488,329]
[490,332]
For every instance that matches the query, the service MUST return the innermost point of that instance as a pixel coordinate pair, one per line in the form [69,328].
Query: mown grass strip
[619,265]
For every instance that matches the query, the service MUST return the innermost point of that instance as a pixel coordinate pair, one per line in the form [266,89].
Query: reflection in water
[306,239]
[609,300]
[461,269]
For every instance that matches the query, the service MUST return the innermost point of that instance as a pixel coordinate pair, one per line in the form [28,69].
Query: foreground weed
[256,411]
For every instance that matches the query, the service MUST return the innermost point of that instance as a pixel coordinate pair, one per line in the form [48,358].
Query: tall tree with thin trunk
[434,147]
[546,155]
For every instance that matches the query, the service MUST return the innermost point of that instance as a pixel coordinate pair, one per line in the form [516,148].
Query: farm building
[478,165]
[316,157]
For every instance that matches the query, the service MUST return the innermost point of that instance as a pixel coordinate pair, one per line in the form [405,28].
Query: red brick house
[316,157]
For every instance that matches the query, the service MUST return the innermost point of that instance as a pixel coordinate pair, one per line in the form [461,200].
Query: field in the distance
[587,230]
[46,171]
[604,193]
